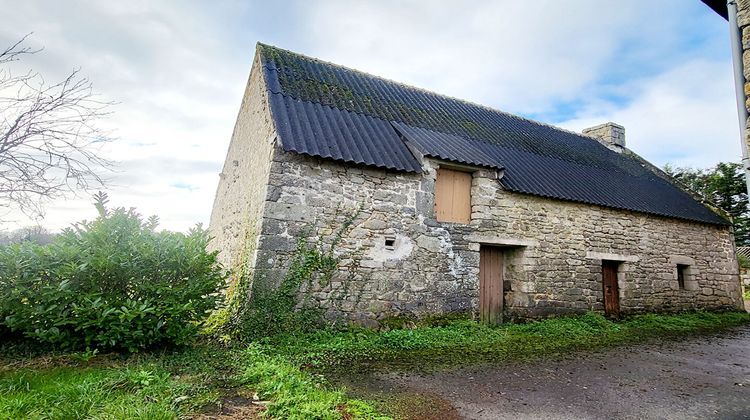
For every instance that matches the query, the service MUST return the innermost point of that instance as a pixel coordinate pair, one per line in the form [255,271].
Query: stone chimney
[609,134]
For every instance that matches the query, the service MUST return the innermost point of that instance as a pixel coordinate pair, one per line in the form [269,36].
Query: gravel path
[695,378]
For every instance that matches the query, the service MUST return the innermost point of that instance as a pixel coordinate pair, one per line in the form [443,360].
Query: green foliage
[113,283]
[85,393]
[99,388]
[464,341]
[430,320]
[272,309]
[295,394]
[168,385]
[179,384]
[743,261]
[724,186]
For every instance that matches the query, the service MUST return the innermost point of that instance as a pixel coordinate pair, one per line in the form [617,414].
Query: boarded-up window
[453,196]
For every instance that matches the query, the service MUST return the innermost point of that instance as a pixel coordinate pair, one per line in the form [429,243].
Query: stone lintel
[611,257]
[509,242]
[681,259]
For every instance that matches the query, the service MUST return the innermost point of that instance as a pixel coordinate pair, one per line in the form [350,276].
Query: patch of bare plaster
[401,249]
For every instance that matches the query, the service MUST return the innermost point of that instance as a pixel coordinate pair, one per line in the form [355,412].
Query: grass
[464,341]
[285,374]
[69,392]
[165,385]
[746,293]
[162,385]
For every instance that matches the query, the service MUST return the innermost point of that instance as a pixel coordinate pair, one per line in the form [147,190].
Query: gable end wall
[238,206]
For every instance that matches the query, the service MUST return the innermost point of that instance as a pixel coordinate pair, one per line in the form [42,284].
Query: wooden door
[491,285]
[611,292]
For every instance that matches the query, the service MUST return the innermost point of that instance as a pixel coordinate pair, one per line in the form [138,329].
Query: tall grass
[461,342]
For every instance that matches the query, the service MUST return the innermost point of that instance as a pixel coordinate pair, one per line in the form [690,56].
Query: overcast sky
[178,68]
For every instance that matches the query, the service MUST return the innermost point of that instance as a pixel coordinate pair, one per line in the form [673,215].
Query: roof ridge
[420,89]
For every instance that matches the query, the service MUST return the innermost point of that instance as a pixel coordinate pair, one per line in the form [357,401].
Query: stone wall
[743,20]
[238,205]
[553,249]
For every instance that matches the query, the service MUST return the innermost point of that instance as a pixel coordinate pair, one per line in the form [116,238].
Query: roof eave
[718,6]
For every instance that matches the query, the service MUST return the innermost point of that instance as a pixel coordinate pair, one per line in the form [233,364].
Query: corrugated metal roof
[453,148]
[326,110]
[318,130]
[556,178]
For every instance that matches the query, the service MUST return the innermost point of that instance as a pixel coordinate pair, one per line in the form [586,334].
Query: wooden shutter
[453,196]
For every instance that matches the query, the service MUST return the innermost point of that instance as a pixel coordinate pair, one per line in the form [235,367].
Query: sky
[177,71]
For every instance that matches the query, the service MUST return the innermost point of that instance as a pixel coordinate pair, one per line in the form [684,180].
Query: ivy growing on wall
[261,306]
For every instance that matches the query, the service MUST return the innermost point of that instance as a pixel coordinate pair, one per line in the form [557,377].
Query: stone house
[459,207]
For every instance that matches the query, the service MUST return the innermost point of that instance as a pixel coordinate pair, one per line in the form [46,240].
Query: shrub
[113,283]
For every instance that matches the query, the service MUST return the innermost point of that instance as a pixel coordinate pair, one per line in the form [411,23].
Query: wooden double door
[491,284]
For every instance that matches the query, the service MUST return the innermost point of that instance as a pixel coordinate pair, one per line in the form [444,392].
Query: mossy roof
[326,110]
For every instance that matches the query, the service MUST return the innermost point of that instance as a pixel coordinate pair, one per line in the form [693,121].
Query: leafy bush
[114,283]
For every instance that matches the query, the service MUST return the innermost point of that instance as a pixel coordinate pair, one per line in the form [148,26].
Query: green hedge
[113,283]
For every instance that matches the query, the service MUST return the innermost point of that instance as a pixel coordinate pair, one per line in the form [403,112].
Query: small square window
[390,243]
[682,272]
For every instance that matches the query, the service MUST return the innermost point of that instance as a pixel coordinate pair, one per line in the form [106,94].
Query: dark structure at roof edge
[718,6]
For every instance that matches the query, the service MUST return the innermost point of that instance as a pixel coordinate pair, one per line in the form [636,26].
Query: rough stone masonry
[398,260]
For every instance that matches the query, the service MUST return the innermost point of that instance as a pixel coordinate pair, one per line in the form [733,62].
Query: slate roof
[329,111]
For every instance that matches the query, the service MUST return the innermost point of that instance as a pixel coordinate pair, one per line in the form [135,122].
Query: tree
[49,141]
[723,186]
[36,234]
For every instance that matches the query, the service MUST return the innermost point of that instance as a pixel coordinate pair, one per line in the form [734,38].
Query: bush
[114,283]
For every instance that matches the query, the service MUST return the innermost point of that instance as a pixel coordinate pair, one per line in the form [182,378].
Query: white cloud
[178,70]
[685,116]
[518,56]
[177,96]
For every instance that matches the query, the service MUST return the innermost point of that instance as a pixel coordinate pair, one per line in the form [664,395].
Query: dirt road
[696,378]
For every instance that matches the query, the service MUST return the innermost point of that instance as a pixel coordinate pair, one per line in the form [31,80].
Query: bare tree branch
[49,139]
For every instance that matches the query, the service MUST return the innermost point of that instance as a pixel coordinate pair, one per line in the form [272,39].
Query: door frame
[611,301]
[491,291]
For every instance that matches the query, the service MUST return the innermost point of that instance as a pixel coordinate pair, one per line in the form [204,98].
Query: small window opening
[682,270]
[390,243]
